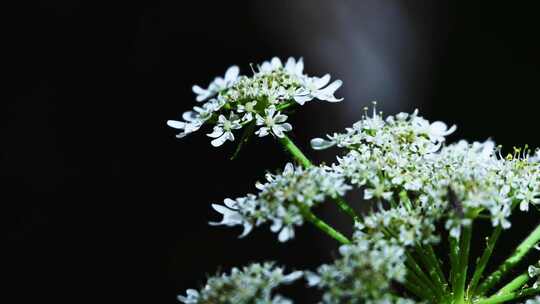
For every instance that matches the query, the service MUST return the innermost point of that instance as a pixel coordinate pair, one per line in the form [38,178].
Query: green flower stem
[312,218]
[461,275]
[297,154]
[415,286]
[514,295]
[435,260]
[431,269]
[481,264]
[526,245]
[454,261]
[423,280]
[516,283]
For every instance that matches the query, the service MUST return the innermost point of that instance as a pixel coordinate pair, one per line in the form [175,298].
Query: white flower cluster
[408,226]
[399,162]
[235,101]
[534,272]
[364,273]
[281,200]
[533,301]
[251,284]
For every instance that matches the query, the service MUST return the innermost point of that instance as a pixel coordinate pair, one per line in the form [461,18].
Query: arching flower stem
[514,295]
[484,259]
[526,245]
[301,158]
[323,226]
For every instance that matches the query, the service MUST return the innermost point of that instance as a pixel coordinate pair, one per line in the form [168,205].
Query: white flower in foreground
[192,297]
[436,131]
[273,122]
[254,283]
[526,197]
[275,85]
[223,130]
[193,120]
[219,84]
[231,216]
[534,272]
[315,87]
[294,67]
[279,200]
[270,66]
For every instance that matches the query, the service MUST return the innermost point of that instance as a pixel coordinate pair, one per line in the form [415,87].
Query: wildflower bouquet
[422,192]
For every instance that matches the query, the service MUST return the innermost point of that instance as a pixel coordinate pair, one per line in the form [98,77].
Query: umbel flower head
[401,161]
[235,101]
[364,273]
[250,284]
[411,182]
[282,199]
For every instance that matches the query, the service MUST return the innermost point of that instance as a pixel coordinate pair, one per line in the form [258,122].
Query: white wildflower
[223,130]
[279,199]
[248,109]
[273,122]
[219,84]
[315,87]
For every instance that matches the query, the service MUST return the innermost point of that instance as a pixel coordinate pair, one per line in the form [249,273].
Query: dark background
[103,203]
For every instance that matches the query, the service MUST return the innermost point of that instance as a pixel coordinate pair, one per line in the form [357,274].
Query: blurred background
[103,203]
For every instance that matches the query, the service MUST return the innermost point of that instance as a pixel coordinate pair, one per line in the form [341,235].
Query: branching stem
[301,158]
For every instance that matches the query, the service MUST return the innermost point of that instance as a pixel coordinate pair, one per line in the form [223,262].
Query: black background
[103,203]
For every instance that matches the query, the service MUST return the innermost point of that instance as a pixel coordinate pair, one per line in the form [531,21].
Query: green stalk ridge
[484,259]
[463,264]
[516,283]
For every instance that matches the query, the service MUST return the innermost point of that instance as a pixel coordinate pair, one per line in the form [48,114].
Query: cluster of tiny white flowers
[533,301]
[281,199]
[234,101]
[408,226]
[401,161]
[534,272]
[402,166]
[363,273]
[251,284]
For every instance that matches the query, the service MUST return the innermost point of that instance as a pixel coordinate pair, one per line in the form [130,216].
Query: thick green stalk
[514,295]
[516,283]
[526,245]
[431,269]
[454,261]
[423,280]
[481,265]
[461,275]
[312,218]
[431,254]
[416,271]
[297,154]
[415,285]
